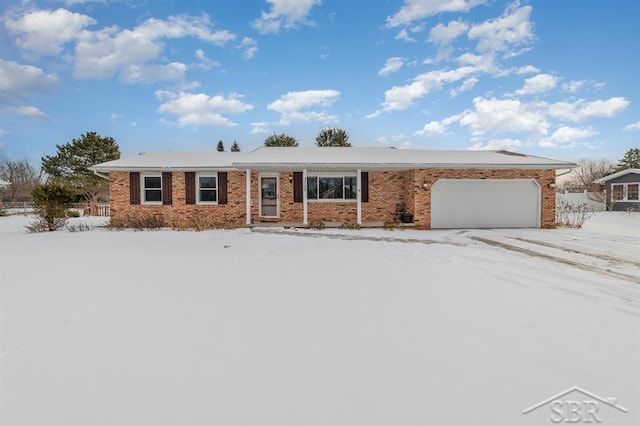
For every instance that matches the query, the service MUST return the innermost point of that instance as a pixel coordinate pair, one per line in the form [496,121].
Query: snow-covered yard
[339,327]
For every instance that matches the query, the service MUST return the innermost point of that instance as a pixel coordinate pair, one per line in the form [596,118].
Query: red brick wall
[421,203]
[386,189]
[179,214]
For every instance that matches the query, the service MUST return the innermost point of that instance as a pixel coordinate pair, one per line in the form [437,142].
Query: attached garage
[485,203]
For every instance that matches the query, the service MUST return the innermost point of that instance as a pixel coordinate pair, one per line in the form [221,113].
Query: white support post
[305,209]
[359,196]
[248,196]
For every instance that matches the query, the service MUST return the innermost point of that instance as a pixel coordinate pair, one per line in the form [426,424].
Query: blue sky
[551,78]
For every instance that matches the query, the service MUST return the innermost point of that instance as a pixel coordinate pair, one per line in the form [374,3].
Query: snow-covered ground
[339,327]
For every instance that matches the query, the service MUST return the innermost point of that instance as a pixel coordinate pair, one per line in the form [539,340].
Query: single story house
[4,184]
[622,189]
[299,185]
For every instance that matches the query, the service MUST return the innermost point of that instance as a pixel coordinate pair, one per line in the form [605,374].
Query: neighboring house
[4,184]
[298,185]
[622,189]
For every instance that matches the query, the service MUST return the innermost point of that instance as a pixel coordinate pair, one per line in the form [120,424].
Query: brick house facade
[386,189]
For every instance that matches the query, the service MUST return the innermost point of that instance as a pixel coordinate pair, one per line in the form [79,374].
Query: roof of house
[387,158]
[164,160]
[4,183]
[328,159]
[617,175]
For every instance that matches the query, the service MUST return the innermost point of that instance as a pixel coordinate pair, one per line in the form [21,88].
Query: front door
[269,196]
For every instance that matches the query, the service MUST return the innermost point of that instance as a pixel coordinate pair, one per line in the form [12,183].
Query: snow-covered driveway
[317,327]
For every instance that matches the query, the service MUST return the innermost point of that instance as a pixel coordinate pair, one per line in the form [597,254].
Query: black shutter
[190,187]
[297,187]
[166,188]
[364,187]
[134,188]
[222,188]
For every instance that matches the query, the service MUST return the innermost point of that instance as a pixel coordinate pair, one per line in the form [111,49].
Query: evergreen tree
[70,166]
[50,202]
[280,140]
[631,160]
[220,147]
[235,147]
[332,137]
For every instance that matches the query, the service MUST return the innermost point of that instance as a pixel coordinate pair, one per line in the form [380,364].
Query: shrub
[391,225]
[79,227]
[204,222]
[139,222]
[3,212]
[73,213]
[50,202]
[316,224]
[350,225]
[571,215]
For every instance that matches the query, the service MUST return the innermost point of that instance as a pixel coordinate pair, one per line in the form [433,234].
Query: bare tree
[23,178]
[586,173]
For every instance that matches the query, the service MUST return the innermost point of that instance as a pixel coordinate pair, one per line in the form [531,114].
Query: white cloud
[194,109]
[44,32]
[445,34]
[503,116]
[573,86]
[16,82]
[402,97]
[537,84]
[109,51]
[581,109]
[260,127]
[250,47]
[529,69]
[503,34]
[284,13]
[633,126]
[17,79]
[414,10]
[464,87]
[432,128]
[26,110]
[566,134]
[295,106]
[403,35]
[392,65]
[400,141]
[497,144]
[205,63]
[150,73]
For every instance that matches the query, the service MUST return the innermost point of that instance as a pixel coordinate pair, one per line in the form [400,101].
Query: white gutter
[97,173]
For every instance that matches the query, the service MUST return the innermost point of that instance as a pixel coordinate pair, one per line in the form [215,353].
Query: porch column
[359,196]
[248,196]
[305,210]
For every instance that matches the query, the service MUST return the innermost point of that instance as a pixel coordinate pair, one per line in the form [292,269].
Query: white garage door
[485,203]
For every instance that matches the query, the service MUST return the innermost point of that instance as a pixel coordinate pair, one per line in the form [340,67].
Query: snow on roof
[329,158]
[389,158]
[163,160]
[616,175]
[4,183]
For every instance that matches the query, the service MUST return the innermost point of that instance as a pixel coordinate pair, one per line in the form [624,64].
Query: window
[207,189]
[331,187]
[625,192]
[617,192]
[152,189]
